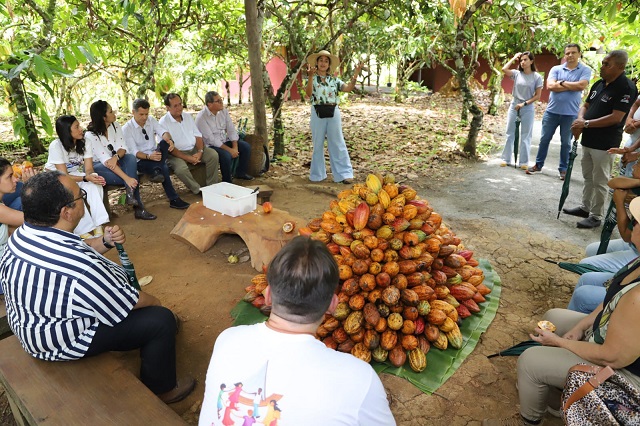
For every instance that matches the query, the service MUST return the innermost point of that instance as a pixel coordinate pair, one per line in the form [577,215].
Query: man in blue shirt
[566,83]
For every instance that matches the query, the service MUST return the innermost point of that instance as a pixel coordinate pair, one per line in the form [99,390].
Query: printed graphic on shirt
[247,403]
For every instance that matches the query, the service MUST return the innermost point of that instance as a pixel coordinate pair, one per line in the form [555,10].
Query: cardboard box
[229,199]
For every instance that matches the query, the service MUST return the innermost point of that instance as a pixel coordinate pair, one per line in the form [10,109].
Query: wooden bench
[91,391]
[199,174]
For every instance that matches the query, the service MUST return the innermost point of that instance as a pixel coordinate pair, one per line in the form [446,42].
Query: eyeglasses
[144,132]
[83,197]
[219,101]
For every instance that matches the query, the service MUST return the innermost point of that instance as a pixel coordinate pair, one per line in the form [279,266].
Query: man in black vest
[600,121]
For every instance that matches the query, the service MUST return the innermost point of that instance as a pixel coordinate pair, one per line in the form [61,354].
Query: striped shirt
[58,290]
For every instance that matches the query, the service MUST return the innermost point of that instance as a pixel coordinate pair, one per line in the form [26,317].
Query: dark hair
[303,277]
[141,103]
[169,96]
[532,57]
[98,111]
[43,196]
[568,45]
[208,97]
[63,129]
[4,163]
[620,57]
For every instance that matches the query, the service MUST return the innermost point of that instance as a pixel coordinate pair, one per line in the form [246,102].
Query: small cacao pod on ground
[442,343]
[379,354]
[371,339]
[342,311]
[417,360]
[435,316]
[409,342]
[431,332]
[397,356]
[389,339]
[353,323]
[395,321]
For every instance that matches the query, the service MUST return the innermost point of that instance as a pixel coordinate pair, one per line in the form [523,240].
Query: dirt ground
[501,215]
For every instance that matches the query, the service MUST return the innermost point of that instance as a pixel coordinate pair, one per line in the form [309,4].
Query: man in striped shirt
[66,301]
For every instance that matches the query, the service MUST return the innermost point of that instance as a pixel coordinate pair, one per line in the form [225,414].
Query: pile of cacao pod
[406,280]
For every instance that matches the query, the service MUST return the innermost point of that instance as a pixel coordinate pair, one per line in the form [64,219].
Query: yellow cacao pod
[417,360]
[373,183]
[384,198]
[442,342]
[454,337]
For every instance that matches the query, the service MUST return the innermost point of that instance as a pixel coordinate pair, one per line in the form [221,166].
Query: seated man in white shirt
[218,132]
[189,148]
[281,357]
[140,136]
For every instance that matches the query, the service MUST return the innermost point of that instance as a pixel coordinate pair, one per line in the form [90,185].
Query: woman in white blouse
[111,160]
[70,155]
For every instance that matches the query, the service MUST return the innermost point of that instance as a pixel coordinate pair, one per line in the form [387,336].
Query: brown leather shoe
[181,391]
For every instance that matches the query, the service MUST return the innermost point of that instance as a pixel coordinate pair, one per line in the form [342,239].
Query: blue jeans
[550,123]
[618,254]
[527,117]
[129,166]
[14,200]
[331,128]
[149,167]
[589,292]
[244,148]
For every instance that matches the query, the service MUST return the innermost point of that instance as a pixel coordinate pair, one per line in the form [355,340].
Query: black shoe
[244,177]
[130,198]
[590,222]
[157,176]
[576,211]
[179,204]
[141,213]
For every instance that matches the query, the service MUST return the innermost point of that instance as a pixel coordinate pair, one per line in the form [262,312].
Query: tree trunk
[495,89]
[240,84]
[463,74]
[278,126]
[474,129]
[254,19]
[19,99]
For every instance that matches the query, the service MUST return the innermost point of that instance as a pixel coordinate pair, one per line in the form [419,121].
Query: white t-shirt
[73,160]
[100,144]
[310,384]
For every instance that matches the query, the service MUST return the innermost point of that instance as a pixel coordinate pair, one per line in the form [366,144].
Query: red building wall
[435,78]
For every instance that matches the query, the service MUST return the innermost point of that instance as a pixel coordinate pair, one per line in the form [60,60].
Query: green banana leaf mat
[440,364]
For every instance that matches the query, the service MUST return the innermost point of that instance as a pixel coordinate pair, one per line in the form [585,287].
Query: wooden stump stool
[262,233]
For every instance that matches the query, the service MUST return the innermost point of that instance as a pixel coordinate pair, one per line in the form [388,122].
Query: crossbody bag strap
[601,374]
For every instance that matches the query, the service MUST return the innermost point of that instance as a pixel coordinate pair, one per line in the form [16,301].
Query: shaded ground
[500,213]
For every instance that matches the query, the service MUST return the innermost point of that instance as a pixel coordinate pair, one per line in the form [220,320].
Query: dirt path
[500,213]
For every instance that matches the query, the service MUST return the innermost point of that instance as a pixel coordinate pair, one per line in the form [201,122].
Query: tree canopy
[59,56]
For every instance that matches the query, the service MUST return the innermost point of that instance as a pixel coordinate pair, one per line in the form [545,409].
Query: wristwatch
[562,83]
[106,244]
[84,179]
[525,103]
[586,123]
[201,150]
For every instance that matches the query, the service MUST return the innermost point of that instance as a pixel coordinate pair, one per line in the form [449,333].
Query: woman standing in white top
[527,86]
[111,160]
[70,155]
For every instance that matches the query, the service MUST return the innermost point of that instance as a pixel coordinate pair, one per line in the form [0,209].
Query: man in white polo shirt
[140,134]
[190,150]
